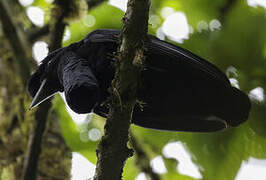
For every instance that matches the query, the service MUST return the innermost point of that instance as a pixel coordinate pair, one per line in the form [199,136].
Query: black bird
[180,91]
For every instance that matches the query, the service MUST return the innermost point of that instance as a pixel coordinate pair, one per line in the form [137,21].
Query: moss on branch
[112,150]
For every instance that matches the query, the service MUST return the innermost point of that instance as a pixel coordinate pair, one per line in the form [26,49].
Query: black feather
[180,91]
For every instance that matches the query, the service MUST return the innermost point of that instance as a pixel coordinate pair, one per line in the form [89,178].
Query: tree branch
[41,115]
[57,34]
[94,3]
[142,159]
[16,41]
[56,29]
[36,33]
[35,142]
[226,8]
[112,150]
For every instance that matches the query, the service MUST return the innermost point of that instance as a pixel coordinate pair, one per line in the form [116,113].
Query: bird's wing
[176,54]
[183,92]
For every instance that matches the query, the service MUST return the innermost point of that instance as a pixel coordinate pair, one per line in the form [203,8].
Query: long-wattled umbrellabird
[179,90]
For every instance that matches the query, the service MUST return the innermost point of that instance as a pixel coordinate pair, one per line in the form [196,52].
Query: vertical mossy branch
[41,115]
[112,151]
[16,40]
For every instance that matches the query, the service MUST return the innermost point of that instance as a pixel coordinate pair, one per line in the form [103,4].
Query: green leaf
[221,154]
[99,16]
[72,133]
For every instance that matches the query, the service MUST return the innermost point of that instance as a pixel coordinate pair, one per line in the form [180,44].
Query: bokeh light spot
[255,3]
[252,169]
[36,15]
[40,50]
[67,35]
[121,4]
[94,134]
[231,71]
[89,20]
[154,21]
[257,94]
[49,1]
[202,26]
[157,165]
[185,165]
[160,34]
[141,176]
[215,24]
[26,2]
[79,119]
[176,27]
[84,137]
[81,168]
[234,82]
[167,11]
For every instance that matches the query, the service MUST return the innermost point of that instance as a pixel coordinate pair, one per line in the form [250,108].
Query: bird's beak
[42,94]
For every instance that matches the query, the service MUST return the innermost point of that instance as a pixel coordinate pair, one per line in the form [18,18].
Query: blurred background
[229,33]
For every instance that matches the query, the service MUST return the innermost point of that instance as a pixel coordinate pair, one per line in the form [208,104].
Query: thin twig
[142,159]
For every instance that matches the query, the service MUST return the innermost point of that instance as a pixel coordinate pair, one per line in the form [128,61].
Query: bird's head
[64,70]
[44,82]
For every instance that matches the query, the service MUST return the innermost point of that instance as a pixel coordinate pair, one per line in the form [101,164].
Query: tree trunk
[17,123]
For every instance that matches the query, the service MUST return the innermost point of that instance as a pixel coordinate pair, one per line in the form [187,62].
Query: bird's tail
[238,107]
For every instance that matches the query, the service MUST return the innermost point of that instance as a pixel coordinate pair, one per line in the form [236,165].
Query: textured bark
[112,151]
[16,121]
[16,126]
